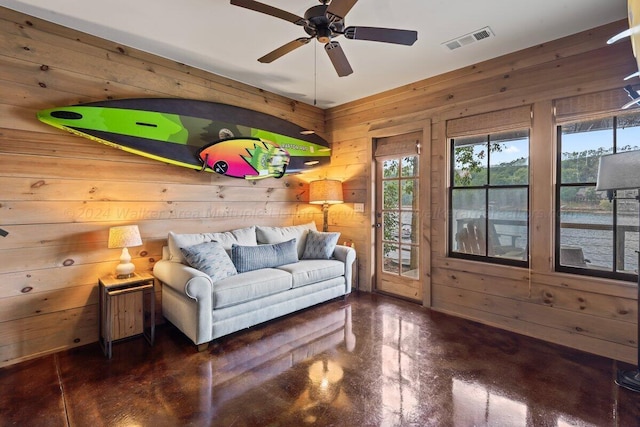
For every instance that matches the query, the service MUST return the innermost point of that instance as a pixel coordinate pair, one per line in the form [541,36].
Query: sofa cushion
[211,259]
[241,236]
[310,271]
[249,286]
[248,258]
[282,234]
[320,245]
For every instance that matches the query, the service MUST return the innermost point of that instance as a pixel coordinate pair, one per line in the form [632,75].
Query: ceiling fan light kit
[325,22]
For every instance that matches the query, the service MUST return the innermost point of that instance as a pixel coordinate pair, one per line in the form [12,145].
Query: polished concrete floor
[367,361]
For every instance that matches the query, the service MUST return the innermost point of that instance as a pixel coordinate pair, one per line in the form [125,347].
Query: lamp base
[125,269]
[325,217]
[629,380]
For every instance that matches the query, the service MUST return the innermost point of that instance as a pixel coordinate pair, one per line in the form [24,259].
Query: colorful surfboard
[196,134]
[246,158]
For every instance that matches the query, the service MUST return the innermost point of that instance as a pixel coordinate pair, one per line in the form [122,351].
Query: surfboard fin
[204,162]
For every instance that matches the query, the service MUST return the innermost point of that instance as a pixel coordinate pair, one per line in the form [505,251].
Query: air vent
[453,44]
[482,34]
[467,39]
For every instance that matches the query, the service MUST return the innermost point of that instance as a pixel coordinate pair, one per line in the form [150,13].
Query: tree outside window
[489,197]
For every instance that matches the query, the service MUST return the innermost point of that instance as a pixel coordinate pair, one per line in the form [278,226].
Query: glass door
[398,225]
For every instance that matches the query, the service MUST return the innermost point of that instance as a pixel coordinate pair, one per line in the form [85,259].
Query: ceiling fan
[325,22]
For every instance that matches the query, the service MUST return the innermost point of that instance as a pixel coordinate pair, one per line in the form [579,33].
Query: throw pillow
[320,245]
[241,236]
[211,259]
[247,258]
[282,234]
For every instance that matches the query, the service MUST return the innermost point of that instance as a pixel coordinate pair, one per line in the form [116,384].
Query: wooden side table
[127,309]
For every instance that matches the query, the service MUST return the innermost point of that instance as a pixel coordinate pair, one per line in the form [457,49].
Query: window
[489,197]
[595,236]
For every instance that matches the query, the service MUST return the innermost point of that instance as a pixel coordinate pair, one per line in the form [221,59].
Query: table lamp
[124,236]
[325,192]
[621,171]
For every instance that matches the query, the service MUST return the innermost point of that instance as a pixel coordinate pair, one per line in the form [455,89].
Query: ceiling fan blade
[338,59]
[269,10]
[283,50]
[339,8]
[387,35]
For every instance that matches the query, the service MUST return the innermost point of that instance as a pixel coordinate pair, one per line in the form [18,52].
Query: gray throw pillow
[320,245]
[247,258]
[272,235]
[211,259]
[240,236]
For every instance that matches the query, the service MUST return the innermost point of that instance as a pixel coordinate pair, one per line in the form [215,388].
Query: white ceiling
[227,40]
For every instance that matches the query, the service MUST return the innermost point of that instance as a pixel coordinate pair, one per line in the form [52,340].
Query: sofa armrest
[348,256]
[184,279]
[190,299]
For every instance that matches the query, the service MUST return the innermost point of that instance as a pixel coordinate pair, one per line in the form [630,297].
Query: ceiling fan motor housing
[319,26]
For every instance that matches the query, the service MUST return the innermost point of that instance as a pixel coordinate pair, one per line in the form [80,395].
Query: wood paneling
[594,315]
[60,193]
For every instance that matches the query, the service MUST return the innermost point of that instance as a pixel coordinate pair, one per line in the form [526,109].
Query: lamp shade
[124,236]
[325,191]
[620,171]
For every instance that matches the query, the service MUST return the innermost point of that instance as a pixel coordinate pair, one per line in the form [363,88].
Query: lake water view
[578,229]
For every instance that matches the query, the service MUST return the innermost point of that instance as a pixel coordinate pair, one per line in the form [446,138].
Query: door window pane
[391,258]
[409,197]
[410,231]
[390,168]
[390,226]
[390,195]
[410,166]
[410,261]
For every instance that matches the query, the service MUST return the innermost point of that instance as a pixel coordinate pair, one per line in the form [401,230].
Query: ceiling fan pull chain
[315,74]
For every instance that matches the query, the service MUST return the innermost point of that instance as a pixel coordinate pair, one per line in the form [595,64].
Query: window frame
[486,258]
[576,270]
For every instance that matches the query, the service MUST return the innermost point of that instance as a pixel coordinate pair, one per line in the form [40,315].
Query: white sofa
[205,307]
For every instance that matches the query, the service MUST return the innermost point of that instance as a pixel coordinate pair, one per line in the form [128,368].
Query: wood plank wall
[594,315]
[59,193]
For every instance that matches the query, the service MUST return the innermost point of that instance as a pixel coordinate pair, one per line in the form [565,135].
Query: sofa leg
[202,347]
